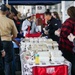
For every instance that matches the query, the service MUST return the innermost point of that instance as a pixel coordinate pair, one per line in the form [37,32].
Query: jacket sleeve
[24,26]
[14,29]
[59,24]
[1,45]
[54,27]
[66,29]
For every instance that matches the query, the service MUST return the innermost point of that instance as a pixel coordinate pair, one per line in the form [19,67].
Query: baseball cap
[29,15]
[3,7]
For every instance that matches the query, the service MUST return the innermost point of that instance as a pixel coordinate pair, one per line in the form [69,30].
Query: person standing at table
[18,23]
[65,45]
[8,32]
[29,23]
[53,25]
[56,16]
[11,15]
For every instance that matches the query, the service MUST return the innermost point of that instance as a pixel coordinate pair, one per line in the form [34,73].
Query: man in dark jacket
[53,25]
[2,54]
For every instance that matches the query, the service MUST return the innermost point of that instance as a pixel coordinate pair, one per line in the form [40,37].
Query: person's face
[11,15]
[30,19]
[47,17]
[15,17]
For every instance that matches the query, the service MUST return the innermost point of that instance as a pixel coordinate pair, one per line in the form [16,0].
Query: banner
[31,2]
[51,70]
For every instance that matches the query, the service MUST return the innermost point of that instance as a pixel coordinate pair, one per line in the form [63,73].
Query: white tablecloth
[27,68]
[28,46]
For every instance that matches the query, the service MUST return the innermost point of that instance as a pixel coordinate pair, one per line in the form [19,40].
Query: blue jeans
[9,61]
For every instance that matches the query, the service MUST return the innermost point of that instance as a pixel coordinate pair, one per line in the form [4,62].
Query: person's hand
[46,32]
[43,29]
[71,37]
[59,29]
[3,53]
[21,32]
[57,32]
[18,44]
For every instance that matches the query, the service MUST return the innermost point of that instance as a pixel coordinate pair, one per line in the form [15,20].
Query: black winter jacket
[53,25]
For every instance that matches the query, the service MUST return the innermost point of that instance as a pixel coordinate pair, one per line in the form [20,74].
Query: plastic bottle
[37,60]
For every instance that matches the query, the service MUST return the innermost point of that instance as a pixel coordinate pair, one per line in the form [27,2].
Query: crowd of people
[13,26]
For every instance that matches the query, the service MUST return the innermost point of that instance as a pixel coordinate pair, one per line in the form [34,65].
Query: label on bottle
[37,61]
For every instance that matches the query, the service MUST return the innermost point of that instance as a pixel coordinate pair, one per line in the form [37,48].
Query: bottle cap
[37,54]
